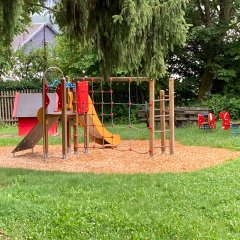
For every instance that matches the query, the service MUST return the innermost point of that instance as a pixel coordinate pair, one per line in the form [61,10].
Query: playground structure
[76,107]
[25,109]
[206,121]
[227,124]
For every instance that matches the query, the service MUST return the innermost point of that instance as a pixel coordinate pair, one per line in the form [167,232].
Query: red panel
[82,97]
[26,124]
[59,93]
[211,120]
[15,104]
[226,123]
[47,100]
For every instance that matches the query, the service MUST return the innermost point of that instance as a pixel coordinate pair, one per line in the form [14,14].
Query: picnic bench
[183,115]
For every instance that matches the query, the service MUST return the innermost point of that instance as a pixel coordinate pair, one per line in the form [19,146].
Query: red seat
[206,121]
[202,123]
[211,120]
[225,116]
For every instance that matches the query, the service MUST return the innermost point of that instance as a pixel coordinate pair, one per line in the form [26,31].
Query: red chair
[206,121]
[202,123]
[211,121]
[226,123]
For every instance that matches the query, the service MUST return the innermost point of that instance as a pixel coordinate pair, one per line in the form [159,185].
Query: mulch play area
[107,160]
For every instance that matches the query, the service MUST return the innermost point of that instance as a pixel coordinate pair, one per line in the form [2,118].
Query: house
[26,106]
[35,37]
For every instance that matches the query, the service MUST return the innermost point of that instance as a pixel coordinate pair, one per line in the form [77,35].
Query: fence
[183,115]
[7,104]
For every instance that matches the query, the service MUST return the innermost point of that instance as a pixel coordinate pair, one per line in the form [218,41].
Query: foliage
[19,85]
[128,34]
[75,60]
[14,16]
[29,66]
[207,55]
[219,103]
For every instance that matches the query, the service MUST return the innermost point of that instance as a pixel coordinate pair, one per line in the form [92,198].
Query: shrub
[218,103]
[19,85]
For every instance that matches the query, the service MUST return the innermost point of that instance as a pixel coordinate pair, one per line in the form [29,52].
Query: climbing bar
[162,131]
[162,115]
[162,100]
[114,79]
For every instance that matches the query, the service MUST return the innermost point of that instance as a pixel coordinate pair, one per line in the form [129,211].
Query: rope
[110,102]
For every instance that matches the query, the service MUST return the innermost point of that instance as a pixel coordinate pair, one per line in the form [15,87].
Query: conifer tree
[132,34]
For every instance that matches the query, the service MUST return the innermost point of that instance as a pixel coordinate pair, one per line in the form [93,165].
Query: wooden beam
[171,113]
[64,119]
[75,121]
[44,121]
[114,79]
[151,117]
[162,121]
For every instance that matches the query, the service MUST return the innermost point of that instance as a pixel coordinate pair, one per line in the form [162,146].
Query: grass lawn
[198,205]
[43,205]
[190,135]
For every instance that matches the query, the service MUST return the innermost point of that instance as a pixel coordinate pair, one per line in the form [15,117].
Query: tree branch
[42,6]
[200,10]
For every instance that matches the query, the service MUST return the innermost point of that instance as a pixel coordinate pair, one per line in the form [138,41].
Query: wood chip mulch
[119,160]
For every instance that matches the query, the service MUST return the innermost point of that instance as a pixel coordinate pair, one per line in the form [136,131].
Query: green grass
[219,138]
[199,205]
[190,135]
[139,131]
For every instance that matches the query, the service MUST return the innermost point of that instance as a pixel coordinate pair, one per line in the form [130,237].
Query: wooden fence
[7,104]
[183,115]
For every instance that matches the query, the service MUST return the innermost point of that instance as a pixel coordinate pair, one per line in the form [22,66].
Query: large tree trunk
[212,46]
[206,79]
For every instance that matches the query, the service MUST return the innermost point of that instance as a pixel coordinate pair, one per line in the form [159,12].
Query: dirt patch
[119,160]
[8,135]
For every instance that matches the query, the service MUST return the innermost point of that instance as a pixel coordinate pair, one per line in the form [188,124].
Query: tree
[212,22]
[131,34]
[14,16]
[74,59]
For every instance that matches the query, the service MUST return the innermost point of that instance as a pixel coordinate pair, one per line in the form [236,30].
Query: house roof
[27,104]
[23,38]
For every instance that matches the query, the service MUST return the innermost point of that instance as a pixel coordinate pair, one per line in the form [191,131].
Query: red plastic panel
[46,100]
[211,120]
[225,116]
[201,120]
[59,93]
[82,97]
[15,104]
[26,124]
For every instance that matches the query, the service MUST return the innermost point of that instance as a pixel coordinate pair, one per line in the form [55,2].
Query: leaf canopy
[132,34]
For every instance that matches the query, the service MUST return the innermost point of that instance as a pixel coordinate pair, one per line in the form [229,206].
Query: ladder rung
[162,115]
[163,146]
[159,131]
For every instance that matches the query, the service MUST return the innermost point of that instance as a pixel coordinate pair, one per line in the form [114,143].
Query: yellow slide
[97,131]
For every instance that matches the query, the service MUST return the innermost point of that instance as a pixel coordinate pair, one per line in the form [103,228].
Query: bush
[19,85]
[218,103]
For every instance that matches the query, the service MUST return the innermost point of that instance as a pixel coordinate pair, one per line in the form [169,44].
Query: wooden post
[75,121]
[69,135]
[64,118]
[151,117]
[86,133]
[44,121]
[171,114]
[162,121]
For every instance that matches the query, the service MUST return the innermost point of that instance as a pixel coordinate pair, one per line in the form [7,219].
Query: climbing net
[104,106]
